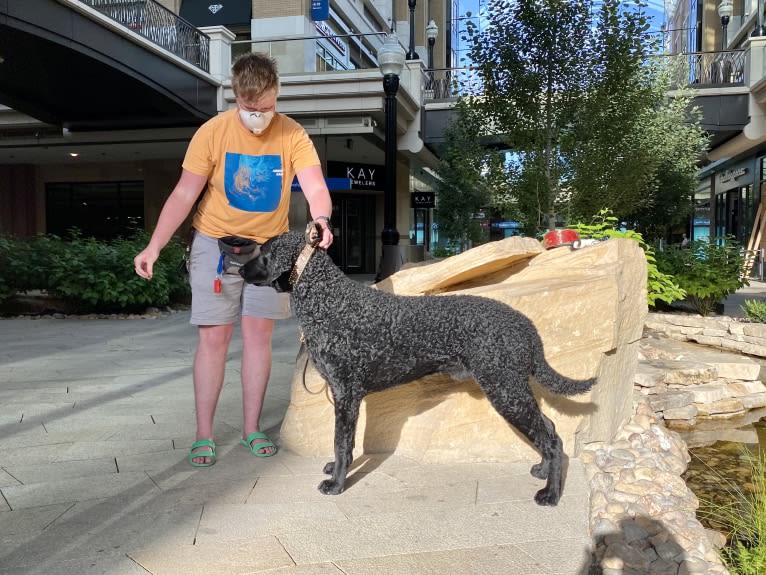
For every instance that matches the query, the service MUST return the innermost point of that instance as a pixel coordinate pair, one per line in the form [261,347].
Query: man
[246,159]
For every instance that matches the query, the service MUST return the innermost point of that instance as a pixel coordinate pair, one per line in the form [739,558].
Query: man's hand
[144,262]
[327,236]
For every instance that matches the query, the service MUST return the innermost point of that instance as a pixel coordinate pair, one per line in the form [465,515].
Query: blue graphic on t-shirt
[253,183]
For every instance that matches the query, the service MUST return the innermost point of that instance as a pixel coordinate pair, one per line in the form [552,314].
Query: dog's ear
[313,233]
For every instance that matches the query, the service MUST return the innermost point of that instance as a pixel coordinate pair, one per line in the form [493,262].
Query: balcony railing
[159,25]
[713,69]
[450,84]
[701,70]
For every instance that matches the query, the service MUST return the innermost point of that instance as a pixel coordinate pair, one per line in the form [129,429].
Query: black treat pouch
[237,252]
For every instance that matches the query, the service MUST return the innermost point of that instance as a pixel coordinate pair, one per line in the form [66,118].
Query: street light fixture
[411,54]
[725,11]
[432,31]
[391,62]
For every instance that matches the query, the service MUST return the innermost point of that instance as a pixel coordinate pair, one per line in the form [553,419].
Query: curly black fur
[363,340]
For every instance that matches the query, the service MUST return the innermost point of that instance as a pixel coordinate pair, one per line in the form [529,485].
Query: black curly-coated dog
[363,340]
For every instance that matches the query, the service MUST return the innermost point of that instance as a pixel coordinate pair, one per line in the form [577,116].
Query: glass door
[353,220]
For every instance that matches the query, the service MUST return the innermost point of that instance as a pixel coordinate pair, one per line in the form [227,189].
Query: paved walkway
[732,305]
[96,417]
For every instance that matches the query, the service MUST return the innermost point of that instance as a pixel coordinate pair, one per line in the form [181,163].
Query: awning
[202,13]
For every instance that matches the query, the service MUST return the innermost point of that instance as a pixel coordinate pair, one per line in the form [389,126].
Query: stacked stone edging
[688,384]
[722,332]
[642,514]
[687,387]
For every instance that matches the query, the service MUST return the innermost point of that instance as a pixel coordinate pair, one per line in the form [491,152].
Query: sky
[655,10]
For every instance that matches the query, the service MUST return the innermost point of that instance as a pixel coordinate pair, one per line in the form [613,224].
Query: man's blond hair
[253,74]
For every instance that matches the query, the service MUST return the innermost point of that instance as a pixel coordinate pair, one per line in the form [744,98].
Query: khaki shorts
[237,298]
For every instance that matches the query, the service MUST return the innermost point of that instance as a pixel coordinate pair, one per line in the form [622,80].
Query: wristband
[325,219]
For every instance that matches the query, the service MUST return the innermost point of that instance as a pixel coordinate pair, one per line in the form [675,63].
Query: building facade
[724,43]
[60,172]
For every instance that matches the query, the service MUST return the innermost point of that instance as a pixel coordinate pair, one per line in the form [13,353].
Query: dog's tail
[554,381]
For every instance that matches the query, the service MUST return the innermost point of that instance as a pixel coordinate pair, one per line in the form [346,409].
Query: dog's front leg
[346,415]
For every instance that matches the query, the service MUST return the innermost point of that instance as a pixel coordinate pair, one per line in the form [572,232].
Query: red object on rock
[557,238]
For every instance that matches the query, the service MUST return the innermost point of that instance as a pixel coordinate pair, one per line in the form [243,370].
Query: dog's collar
[313,237]
[300,264]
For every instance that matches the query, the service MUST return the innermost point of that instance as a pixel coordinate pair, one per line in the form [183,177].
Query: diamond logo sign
[214,8]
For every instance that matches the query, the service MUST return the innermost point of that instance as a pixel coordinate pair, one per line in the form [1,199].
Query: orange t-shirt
[249,176]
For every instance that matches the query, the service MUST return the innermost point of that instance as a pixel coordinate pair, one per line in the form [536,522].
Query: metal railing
[701,69]
[705,69]
[159,25]
[450,84]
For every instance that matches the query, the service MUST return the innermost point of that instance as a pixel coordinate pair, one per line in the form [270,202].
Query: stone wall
[589,307]
[696,387]
[642,514]
[723,332]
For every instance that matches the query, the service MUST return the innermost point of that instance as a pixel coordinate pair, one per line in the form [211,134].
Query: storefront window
[103,210]
[734,213]
[419,235]
[747,213]
[701,215]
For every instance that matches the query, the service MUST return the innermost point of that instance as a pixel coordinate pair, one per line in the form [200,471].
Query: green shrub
[441,252]
[754,310]
[660,286]
[24,263]
[707,271]
[91,275]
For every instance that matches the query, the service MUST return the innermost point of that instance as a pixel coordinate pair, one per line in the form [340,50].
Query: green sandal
[208,452]
[255,449]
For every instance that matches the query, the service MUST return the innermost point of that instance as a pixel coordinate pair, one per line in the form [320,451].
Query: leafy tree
[575,96]
[674,134]
[533,60]
[464,187]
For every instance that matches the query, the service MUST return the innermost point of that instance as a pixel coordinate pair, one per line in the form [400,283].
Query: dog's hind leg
[522,411]
[346,416]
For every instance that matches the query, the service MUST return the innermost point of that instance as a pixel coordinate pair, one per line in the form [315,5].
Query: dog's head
[272,267]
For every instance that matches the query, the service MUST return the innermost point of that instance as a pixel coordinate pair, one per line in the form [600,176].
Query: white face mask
[256,122]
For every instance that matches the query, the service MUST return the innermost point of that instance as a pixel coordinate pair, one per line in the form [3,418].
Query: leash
[313,237]
[325,388]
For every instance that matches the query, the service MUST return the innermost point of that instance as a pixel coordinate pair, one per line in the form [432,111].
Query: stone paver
[96,417]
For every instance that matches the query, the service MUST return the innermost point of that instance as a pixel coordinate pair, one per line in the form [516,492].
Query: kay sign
[362,176]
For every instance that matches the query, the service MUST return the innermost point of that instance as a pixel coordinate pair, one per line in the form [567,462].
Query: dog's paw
[540,471]
[547,497]
[329,468]
[330,487]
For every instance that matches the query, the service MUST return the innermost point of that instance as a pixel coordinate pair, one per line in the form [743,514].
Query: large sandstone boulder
[589,307]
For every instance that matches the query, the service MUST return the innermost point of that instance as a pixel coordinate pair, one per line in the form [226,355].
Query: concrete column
[220,58]
[755,76]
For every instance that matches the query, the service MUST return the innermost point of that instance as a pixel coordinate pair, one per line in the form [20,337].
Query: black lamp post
[725,10]
[411,54]
[391,62]
[432,31]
